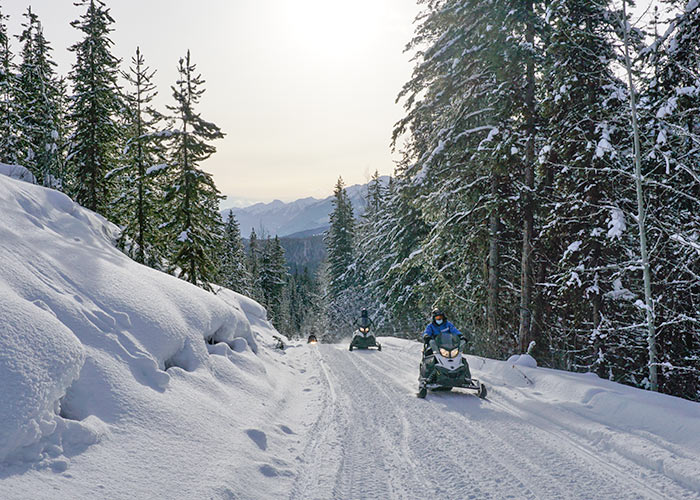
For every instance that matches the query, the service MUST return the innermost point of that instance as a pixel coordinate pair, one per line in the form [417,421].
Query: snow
[17,172]
[108,382]
[667,108]
[522,360]
[122,382]
[156,168]
[616,224]
[573,247]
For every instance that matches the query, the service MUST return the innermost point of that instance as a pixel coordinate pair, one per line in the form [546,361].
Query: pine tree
[273,277]
[584,153]
[139,179]
[195,224]
[233,272]
[94,107]
[38,105]
[340,241]
[368,241]
[253,266]
[469,134]
[671,135]
[9,148]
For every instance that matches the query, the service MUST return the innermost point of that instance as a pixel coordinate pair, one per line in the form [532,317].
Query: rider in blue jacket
[438,325]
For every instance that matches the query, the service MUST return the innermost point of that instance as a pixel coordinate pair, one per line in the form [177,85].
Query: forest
[548,195]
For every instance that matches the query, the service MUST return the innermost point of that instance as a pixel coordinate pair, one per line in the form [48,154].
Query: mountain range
[298,219]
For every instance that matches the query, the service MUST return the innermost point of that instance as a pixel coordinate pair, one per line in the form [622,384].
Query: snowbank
[654,430]
[103,360]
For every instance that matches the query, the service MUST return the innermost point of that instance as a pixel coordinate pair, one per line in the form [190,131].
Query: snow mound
[93,344]
[523,360]
[17,172]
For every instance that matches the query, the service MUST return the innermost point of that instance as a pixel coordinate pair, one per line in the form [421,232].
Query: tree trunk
[529,184]
[494,276]
[641,215]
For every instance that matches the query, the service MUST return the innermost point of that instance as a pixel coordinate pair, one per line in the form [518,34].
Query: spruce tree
[233,273]
[671,137]
[140,177]
[9,148]
[253,266]
[585,120]
[38,105]
[344,289]
[340,241]
[195,223]
[273,278]
[94,107]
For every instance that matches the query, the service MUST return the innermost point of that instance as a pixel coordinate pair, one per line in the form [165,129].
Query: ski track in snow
[374,439]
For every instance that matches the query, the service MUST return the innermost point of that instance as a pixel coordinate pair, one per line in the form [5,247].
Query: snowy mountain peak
[305,215]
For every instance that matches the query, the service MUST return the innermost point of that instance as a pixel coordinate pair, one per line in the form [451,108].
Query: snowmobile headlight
[447,353]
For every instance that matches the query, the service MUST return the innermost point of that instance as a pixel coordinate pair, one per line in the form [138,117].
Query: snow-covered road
[374,439]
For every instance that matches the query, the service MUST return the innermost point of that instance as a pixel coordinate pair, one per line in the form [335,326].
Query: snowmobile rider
[363,321]
[439,325]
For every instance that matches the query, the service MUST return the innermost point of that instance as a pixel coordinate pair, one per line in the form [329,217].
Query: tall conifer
[195,223]
[94,107]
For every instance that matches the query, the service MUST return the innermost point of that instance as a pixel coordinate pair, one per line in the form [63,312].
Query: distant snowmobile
[363,339]
[312,339]
[444,366]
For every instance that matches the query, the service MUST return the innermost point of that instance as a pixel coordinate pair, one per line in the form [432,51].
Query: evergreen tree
[585,154]
[138,204]
[671,135]
[253,266]
[340,241]
[470,131]
[38,105]
[9,148]
[368,241]
[273,278]
[195,224]
[94,107]
[233,273]
[345,294]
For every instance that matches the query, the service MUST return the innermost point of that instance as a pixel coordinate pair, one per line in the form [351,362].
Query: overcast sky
[303,89]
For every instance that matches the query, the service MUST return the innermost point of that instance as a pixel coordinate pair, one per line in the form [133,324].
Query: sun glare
[331,27]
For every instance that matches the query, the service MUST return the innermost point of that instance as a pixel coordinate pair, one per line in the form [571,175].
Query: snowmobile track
[375,439]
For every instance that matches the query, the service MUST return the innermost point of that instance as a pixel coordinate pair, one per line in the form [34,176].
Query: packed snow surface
[121,382]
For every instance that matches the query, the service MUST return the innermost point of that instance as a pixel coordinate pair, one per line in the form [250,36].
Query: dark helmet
[363,313]
[438,314]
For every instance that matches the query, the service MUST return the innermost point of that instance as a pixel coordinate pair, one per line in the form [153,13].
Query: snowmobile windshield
[448,341]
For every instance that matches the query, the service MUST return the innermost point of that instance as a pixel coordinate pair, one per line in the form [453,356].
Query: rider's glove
[426,339]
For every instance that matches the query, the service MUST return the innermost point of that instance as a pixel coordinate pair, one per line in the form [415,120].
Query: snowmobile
[312,339]
[363,339]
[445,366]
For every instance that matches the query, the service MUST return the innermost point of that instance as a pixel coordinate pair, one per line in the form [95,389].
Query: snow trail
[375,439]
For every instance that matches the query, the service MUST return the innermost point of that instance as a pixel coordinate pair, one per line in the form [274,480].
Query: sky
[304,89]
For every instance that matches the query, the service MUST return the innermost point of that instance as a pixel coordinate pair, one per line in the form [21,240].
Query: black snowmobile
[445,366]
[363,339]
[312,339]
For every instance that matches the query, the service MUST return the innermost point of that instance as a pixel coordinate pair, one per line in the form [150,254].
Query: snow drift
[95,348]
